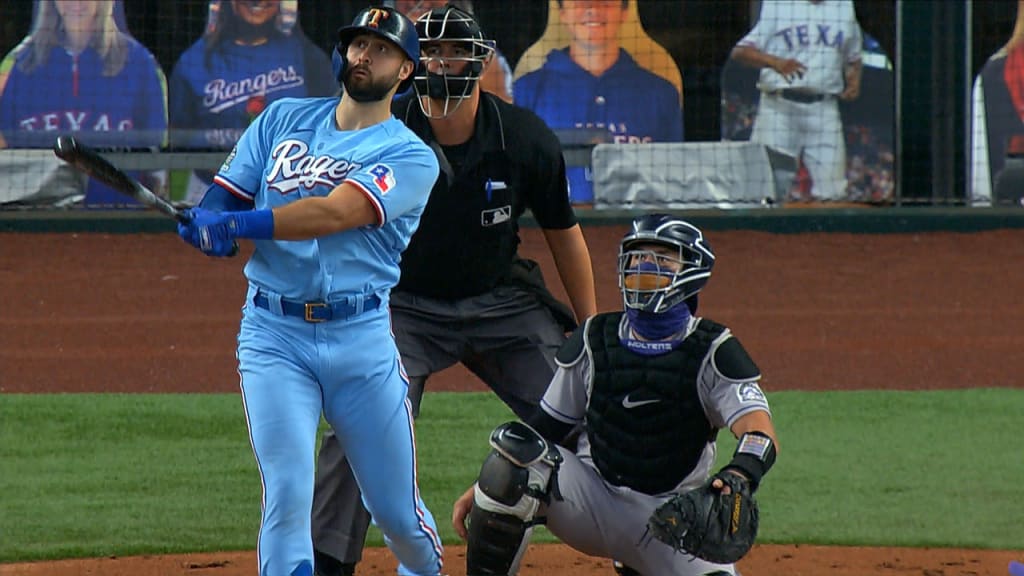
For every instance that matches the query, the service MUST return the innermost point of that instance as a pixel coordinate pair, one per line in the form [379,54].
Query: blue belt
[319,311]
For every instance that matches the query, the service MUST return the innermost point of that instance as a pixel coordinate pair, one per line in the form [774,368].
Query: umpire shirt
[469,232]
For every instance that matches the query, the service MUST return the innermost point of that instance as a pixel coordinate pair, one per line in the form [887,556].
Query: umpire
[465,295]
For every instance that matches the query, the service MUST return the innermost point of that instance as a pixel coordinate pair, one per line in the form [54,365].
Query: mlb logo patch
[496,216]
[383,178]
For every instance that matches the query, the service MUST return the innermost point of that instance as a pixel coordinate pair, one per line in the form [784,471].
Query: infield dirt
[144,313]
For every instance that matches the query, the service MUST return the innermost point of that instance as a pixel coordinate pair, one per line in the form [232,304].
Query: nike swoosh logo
[627,403]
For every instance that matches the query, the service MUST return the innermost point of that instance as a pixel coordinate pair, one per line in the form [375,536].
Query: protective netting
[658,103]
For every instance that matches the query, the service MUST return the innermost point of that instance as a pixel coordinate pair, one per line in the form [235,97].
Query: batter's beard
[375,91]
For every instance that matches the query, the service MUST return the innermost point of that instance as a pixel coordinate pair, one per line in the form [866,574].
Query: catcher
[617,461]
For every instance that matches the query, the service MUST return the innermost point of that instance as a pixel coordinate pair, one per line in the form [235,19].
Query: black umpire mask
[441,87]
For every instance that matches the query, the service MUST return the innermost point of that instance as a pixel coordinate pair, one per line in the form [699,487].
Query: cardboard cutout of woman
[80,72]
[252,53]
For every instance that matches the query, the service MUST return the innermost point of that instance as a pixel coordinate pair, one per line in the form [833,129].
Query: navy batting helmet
[385,22]
[654,282]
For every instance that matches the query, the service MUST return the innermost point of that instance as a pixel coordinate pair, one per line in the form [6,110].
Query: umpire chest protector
[468,235]
[646,423]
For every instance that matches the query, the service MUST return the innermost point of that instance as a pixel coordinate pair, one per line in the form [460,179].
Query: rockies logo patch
[750,392]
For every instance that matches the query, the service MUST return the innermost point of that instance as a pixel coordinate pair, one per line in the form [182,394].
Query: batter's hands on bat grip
[460,511]
[212,233]
[789,69]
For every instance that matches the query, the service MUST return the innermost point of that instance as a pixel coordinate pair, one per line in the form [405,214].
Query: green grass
[96,475]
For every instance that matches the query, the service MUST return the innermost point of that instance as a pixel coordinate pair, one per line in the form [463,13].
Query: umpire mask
[452,57]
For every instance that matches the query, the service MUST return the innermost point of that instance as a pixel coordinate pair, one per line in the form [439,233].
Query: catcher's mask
[654,281]
[446,77]
[385,22]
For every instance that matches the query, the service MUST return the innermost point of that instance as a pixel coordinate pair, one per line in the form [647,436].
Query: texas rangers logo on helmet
[383,177]
[376,15]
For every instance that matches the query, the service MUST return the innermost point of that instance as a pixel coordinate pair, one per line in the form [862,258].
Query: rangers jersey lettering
[293,167]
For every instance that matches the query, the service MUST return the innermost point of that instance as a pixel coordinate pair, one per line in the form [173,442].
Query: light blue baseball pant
[349,369]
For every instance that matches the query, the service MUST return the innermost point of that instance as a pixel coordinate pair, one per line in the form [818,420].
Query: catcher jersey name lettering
[293,167]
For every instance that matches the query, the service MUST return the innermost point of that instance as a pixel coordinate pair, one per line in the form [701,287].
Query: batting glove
[208,231]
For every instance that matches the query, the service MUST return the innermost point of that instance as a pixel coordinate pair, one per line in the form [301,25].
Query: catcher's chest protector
[645,421]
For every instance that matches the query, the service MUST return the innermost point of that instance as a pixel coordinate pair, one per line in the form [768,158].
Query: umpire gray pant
[507,337]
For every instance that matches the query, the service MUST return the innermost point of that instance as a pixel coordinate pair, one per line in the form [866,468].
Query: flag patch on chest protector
[496,216]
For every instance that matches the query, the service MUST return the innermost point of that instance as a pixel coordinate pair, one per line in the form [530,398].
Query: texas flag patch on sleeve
[383,178]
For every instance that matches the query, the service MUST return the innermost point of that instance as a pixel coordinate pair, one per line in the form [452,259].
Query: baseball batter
[809,53]
[331,190]
[650,387]
[465,295]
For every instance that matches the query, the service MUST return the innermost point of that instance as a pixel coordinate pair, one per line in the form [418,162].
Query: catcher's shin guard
[514,479]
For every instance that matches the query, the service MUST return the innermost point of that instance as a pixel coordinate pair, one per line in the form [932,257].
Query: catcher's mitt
[704,522]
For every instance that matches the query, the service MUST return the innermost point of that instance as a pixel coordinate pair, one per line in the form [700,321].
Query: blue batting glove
[213,233]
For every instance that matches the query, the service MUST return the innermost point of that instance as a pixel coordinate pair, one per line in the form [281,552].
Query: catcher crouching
[617,461]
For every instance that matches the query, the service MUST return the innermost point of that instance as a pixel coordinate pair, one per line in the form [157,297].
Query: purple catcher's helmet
[385,22]
[654,287]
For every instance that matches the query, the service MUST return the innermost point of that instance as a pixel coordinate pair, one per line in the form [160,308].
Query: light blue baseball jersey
[294,150]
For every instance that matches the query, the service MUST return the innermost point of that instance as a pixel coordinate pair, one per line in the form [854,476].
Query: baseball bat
[88,161]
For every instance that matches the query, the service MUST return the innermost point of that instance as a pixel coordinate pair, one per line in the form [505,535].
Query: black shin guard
[495,542]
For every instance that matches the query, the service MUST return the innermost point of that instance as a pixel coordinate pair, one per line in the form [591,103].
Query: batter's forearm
[320,216]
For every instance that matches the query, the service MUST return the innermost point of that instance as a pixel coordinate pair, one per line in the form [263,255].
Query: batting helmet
[653,282]
[385,22]
[451,24]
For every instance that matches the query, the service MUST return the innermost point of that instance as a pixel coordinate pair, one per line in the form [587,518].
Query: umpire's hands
[461,510]
[212,233]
